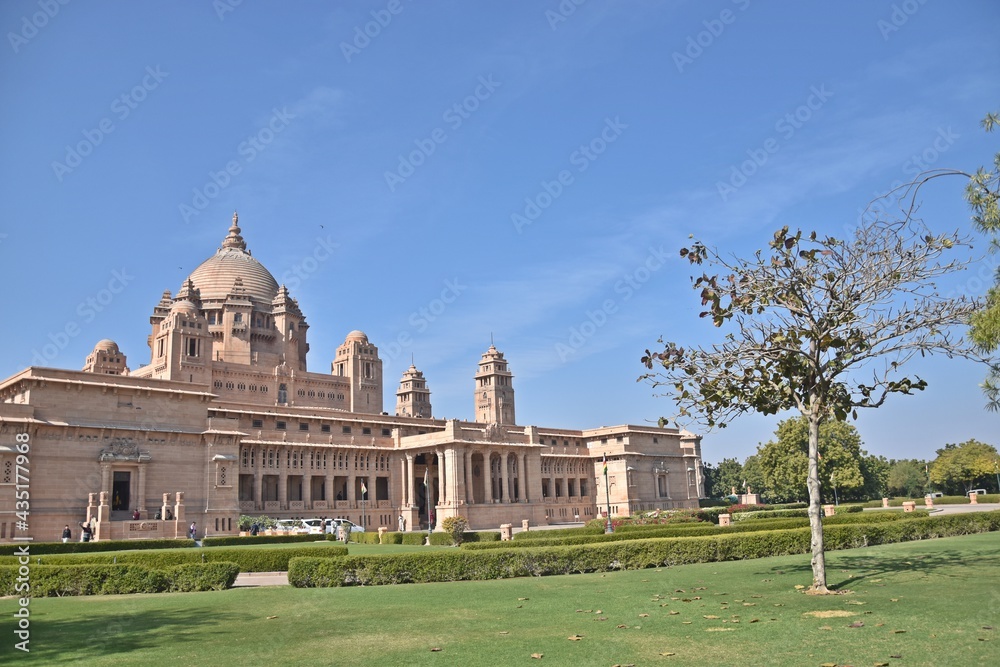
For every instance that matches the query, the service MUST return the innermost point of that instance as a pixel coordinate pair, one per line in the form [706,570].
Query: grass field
[933,602]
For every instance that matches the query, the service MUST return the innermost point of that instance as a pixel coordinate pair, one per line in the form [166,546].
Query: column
[258,474]
[470,494]
[282,478]
[524,478]
[504,496]
[442,492]
[105,479]
[411,494]
[350,477]
[140,503]
[306,481]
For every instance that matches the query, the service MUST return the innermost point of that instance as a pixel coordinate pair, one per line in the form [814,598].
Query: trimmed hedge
[230,541]
[547,533]
[944,500]
[247,560]
[40,548]
[93,579]
[464,564]
[700,529]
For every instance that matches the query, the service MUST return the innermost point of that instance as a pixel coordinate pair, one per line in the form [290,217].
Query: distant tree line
[778,470]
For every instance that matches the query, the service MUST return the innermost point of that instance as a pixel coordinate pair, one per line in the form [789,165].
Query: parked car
[978,492]
[313,526]
[333,524]
[291,526]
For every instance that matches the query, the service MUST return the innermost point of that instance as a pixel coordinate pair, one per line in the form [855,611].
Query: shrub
[229,540]
[414,539]
[440,539]
[41,548]
[456,527]
[248,560]
[850,509]
[480,564]
[96,579]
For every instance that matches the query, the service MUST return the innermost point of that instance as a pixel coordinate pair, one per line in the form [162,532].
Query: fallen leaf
[778,604]
[857,624]
[755,620]
[435,649]
[898,632]
[881,664]
[522,598]
[897,656]
[579,611]
[643,615]
[271,617]
[575,638]
[686,600]
[686,622]
[893,599]
[719,629]
[520,606]
[674,613]
[505,632]
[710,616]
[749,604]
[799,587]
[829,664]
[825,627]
[879,625]
[696,597]
[855,602]
[679,590]
[601,618]
[621,627]
[598,612]
[537,656]
[668,653]
[987,627]
[756,596]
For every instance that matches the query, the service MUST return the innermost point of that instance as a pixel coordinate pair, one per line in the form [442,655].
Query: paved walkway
[256,579]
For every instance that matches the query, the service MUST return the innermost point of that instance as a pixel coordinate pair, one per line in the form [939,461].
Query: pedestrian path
[257,579]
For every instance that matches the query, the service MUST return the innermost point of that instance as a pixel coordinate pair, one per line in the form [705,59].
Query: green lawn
[933,602]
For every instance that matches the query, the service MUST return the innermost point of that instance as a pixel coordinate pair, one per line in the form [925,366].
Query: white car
[314,526]
[291,526]
[333,524]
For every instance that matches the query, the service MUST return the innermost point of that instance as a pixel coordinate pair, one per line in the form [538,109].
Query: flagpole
[427,493]
[364,497]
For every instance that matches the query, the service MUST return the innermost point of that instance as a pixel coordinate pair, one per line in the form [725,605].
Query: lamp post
[996,469]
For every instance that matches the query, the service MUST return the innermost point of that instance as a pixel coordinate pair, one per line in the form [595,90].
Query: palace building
[226,419]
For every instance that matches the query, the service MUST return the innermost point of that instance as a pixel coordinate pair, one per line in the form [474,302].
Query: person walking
[67,535]
[193,530]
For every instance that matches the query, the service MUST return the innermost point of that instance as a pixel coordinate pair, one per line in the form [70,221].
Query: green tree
[729,475]
[785,460]
[908,477]
[983,195]
[819,325]
[875,471]
[753,477]
[961,466]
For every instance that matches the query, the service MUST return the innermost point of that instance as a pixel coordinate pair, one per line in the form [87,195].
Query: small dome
[184,307]
[358,336]
[106,345]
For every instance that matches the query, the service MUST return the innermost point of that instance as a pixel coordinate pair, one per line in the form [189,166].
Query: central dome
[215,276]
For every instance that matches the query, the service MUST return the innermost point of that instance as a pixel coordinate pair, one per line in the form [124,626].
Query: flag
[605,462]
[364,490]
[427,478]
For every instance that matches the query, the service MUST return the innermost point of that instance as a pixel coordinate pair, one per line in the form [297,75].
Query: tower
[358,360]
[494,394]
[413,399]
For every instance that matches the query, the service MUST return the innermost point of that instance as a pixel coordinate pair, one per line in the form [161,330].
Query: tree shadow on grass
[117,630]
[865,566]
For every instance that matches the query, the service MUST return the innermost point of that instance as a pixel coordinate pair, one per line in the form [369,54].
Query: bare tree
[818,325]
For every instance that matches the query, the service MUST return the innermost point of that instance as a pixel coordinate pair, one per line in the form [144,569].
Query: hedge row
[40,548]
[248,560]
[944,500]
[699,529]
[91,579]
[230,540]
[632,554]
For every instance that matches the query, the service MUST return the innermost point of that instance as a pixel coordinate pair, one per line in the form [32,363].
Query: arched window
[282,393]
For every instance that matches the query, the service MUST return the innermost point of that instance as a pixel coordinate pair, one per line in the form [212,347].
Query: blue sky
[434,173]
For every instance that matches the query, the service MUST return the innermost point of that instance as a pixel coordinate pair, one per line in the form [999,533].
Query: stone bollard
[724,519]
[382,530]
[524,525]
[885,502]
[829,510]
[909,506]
[973,498]
[506,532]
[929,501]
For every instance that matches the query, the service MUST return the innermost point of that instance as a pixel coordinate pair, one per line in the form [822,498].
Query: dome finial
[233,239]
